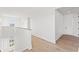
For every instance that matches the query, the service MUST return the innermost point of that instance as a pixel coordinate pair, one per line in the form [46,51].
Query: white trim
[39,36]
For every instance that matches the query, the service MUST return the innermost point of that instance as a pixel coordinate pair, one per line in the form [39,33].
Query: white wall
[44,25]
[59,25]
[71,24]
[68,26]
[21,22]
[43,20]
[4,21]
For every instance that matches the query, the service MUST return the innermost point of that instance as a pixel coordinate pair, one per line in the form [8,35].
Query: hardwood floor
[66,43]
[69,43]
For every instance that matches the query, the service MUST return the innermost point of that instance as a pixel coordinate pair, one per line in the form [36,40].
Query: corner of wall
[39,36]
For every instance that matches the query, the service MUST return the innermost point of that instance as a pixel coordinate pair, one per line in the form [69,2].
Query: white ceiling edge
[69,10]
[58,7]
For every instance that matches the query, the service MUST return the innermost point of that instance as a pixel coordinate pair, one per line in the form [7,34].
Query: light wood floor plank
[66,43]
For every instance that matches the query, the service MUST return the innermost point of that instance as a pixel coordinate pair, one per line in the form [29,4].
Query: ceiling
[25,11]
[35,11]
[68,10]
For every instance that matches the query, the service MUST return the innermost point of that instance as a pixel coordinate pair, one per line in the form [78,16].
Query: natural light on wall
[17,21]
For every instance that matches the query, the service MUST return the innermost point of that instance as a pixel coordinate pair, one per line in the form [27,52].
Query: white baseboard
[39,36]
[72,35]
[58,37]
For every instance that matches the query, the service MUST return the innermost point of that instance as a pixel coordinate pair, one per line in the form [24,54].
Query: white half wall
[59,25]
